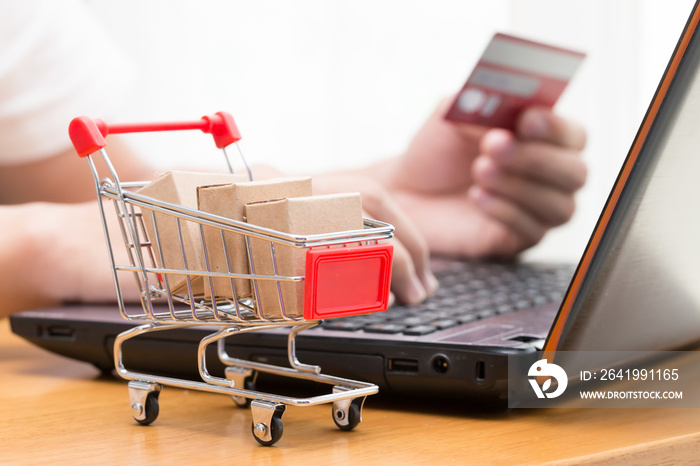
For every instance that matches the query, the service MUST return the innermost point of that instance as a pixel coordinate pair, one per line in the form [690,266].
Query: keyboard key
[556,296]
[461,288]
[447,301]
[500,298]
[523,304]
[504,309]
[385,328]
[465,319]
[443,323]
[370,318]
[477,284]
[431,305]
[420,330]
[398,311]
[486,313]
[414,320]
[541,300]
[428,316]
[470,308]
[345,325]
[484,304]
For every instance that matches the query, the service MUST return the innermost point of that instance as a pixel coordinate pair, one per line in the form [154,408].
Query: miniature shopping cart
[337,266]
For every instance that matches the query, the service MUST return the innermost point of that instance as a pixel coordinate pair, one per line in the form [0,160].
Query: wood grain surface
[58,411]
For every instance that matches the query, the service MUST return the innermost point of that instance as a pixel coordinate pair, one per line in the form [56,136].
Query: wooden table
[58,411]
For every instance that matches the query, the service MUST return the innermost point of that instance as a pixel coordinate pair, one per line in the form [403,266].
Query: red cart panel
[347,281]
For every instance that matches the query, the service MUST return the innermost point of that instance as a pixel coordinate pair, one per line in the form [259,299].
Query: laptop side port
[59,332]
[402,365]
[440,364]
[480,372]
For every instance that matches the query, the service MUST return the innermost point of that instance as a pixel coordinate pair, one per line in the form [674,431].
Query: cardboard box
[180,187]
[298,216]
[229,201]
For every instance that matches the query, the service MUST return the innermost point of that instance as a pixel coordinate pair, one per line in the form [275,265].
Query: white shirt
[56,63]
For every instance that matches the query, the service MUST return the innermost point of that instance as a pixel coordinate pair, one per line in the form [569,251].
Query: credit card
[511,75]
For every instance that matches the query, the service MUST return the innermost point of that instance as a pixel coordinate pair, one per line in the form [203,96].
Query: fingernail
[485,168]
[479,195]
[415,292]
[535,124]
[498,142]
[474,192]
[430,283]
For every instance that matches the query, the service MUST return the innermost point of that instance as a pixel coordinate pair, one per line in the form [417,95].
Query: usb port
[62,332]
[403,365]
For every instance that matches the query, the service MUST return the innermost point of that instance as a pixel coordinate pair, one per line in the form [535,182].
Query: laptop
[635,288]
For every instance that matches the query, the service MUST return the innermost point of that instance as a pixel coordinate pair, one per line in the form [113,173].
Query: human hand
[412,280]
[480,192]
[469,191]
[56,253]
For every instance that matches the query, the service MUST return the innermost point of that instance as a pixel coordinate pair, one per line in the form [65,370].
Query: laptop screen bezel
[575,293]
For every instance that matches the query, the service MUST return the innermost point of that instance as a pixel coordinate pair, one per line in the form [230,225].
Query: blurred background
[318,85]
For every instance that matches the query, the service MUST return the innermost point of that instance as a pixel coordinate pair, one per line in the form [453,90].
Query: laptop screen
[638,284]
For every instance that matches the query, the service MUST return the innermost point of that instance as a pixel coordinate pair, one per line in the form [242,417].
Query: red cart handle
[88,135]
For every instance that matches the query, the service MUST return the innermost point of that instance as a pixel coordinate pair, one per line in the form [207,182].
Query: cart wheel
[276,430]
[151,409]
[241,401]
[348,419]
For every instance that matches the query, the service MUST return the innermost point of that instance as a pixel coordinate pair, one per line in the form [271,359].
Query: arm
[55,251]
[52,253]
[65,177]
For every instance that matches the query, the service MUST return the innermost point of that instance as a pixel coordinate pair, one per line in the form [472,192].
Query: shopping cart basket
[337,266]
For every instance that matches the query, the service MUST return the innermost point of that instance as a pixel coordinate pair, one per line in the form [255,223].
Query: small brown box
[179,187]
[298,216]
[229,201]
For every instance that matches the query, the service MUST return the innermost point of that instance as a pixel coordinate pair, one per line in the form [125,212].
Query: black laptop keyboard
[468,291]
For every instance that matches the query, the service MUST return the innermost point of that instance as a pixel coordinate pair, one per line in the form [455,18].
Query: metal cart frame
[327,258]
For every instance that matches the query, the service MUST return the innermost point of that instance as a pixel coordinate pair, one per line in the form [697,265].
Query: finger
[537,123]
[380,205]
[552,165]
[549,205]
[405,284]
[526,230]
[392,299]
